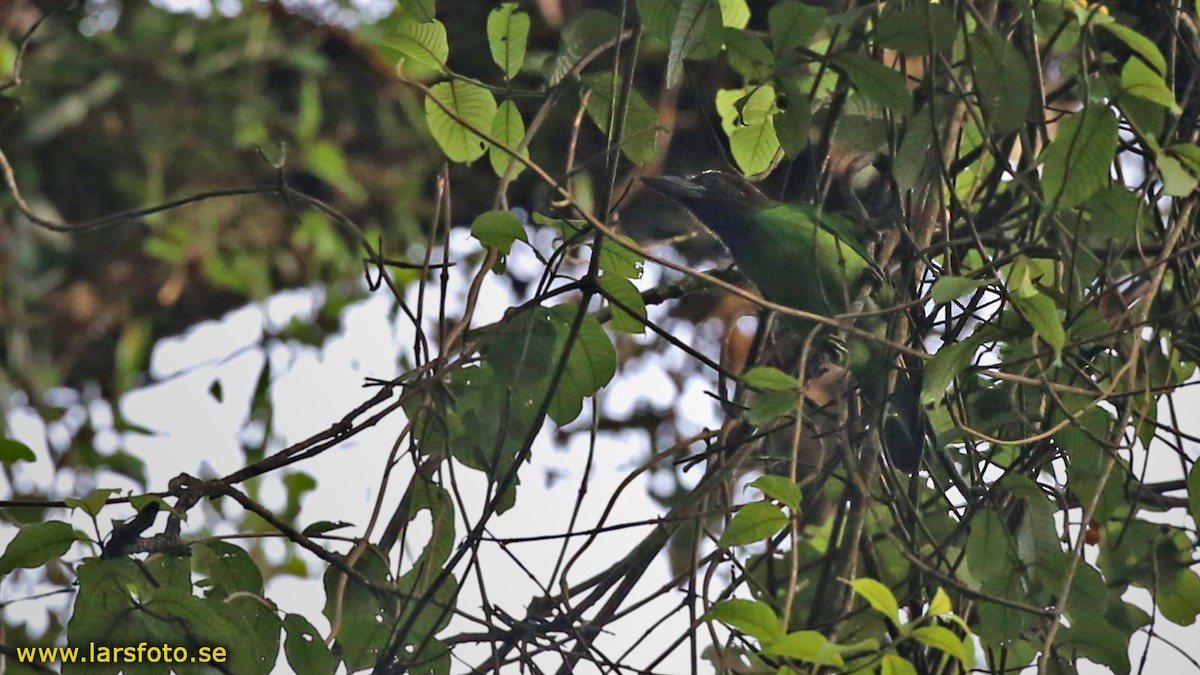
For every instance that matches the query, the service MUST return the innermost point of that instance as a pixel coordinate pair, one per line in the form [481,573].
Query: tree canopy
[1023,175]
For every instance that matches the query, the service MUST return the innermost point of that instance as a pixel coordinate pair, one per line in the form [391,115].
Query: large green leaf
[424,43]
[1002,81]
[468,102]
[883,85]
[1077,161]
[918,29]
[509,129]
[508,31]
[641,122]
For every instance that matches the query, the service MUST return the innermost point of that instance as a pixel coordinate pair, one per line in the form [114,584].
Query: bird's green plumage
[796,257]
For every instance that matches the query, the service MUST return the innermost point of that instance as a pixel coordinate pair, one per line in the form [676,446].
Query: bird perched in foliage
[813,262]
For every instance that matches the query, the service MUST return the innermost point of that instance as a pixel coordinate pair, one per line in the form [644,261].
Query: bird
[817,263]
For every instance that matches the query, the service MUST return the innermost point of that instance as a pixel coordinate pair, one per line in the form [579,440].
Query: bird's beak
[682,190]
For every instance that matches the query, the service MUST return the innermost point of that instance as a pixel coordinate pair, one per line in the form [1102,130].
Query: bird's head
[721,201]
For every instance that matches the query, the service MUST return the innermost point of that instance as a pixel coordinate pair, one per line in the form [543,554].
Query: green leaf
[1137,79]
[747,117]
[879,596]
[734,13]
[946,364]
[753,522]
[746,106]
[1089,593]
[754,147]
[1088,456]
[658,19]
[12,452]
[916,30]
[770,379]
[580,38]
[36,544]
[948,288]
[793,122]
[509,129]
[1177,181]
[941,638]
[508,31]
[1188,154]
[619,261]
[1181,602]
[771,406]
[1138,43]
[228,569]
[792,24]
[806,645]
[1117,214]
[894,664]
[423,42]
[915,151]
[499,229]
[640,120]
[692,35]
[626,293]
[1078,159]
[366,618]
[92,503]
[784,490]
[421,10]
[940,605]
[467,101]
[324,527]
[1041,312]
[751,617]
[590,365]
[989,547]
[748,55]
[877,82]
[305,647]
[1002,81]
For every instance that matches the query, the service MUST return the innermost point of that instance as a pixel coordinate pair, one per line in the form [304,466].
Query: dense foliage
[1024,173]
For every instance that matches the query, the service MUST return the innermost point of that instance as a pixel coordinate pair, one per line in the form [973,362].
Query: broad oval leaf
[753,522]
[509,129]
[461,100]
[770,379]
[36,544]
[877,82]
[752,617]
[12,452]
[792,24]
[499,229]
[941,638]
[1001,81]
[784,490]
[948,288]
[305,647]
[879,596]
[508,32]
[917,29]
[422,42]
[1139,43]
[1078,159]
[806,645]
[1137,79]
[632,317]
[640,120]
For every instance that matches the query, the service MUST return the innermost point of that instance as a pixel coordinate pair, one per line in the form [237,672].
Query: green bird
[813,262]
